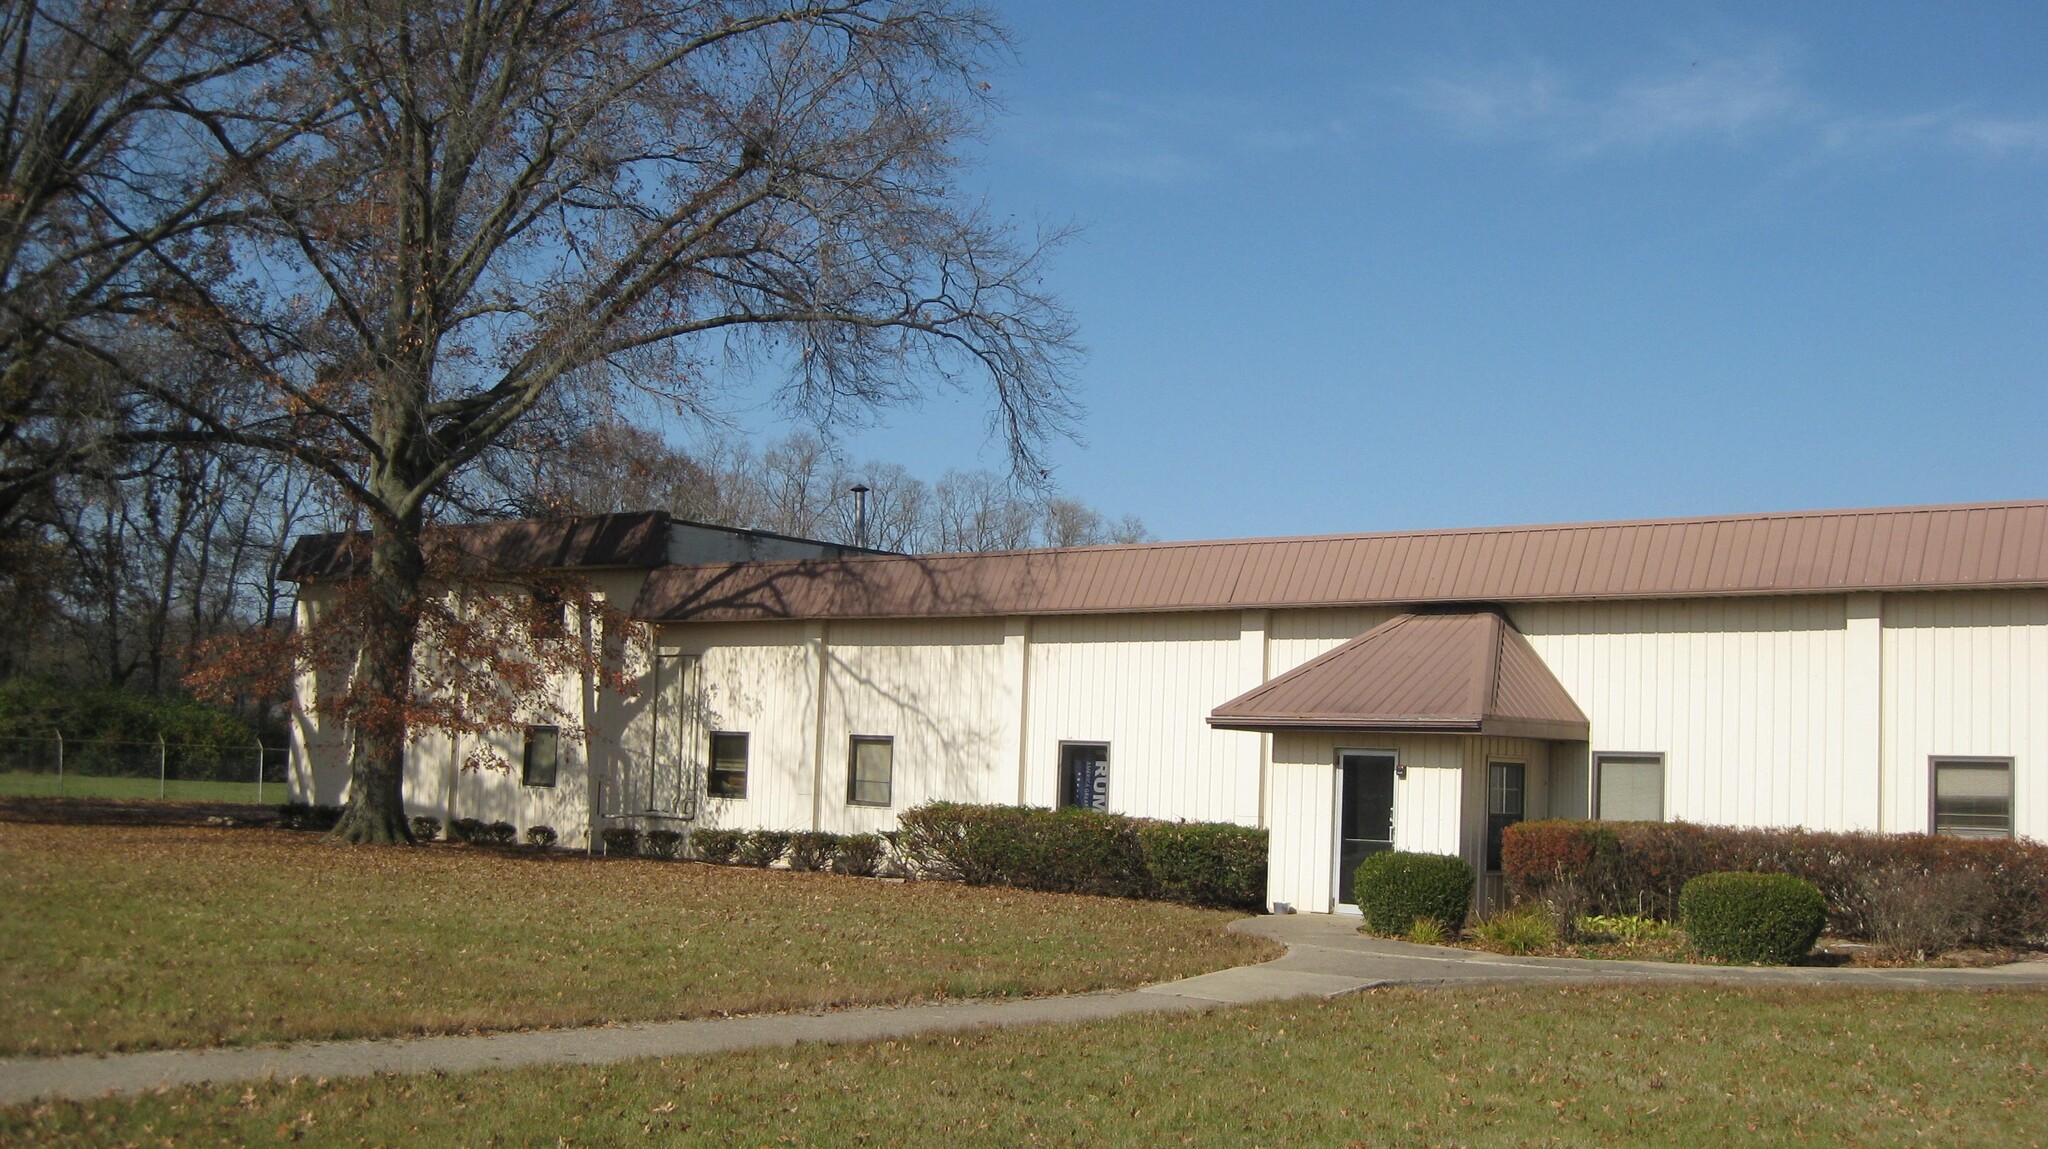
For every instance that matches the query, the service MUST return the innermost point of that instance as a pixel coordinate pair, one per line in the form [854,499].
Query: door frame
[1336,830]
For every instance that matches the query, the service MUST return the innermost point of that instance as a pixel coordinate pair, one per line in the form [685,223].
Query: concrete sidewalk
[1325,956]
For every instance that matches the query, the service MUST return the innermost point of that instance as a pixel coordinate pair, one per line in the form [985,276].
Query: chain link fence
[57,767]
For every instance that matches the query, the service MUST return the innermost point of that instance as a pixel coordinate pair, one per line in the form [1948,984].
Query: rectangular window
[1084,775]
[1628,787]
[728,777]
[868,777]
[543,751]
[1973,797]
[1504,782]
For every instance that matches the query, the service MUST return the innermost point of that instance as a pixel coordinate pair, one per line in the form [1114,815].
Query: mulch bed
[134,812]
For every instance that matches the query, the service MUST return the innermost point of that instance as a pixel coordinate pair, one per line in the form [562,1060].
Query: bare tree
[96,185]
[508,207]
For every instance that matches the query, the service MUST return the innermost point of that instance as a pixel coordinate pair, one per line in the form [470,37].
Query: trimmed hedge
[812,849]
[1766,919]
[664,844]
[541,837]
[468,831]
[718,847]
[1086,852]
[860,854]
[621,840]
[1395,888]
[1641,867]
[763,848]
[425,829]
[1206,863]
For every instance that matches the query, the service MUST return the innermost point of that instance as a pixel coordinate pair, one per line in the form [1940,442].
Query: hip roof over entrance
[1467,672]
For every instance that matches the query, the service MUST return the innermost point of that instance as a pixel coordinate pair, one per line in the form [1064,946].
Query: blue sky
[1363,267]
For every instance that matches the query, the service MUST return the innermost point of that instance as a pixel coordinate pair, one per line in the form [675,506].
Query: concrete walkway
[1326,956]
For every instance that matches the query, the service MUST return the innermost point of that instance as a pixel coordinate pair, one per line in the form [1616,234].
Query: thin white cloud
[1494,102]
[1725,98]
[1730,98]
[2002,136]
[1122,138]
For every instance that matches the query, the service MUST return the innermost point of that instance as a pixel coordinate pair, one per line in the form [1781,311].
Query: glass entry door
[1365,813]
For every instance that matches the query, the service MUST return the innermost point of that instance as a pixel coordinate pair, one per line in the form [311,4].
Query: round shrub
[1395,888]
[540,837]
[667,844]
[425,829]
[1767,919]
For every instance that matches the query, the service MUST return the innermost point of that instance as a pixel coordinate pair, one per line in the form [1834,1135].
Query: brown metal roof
[1468,672]
[1895,548]
[639,539]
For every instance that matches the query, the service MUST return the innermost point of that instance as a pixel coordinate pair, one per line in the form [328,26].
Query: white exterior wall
[1145,684]
[936,688]
[1965,674]
[1439,805]
[1772,711]
[1746,698]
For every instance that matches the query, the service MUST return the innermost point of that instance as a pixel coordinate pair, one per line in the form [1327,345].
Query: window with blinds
[870,776]
[1973,797]
[1628,787]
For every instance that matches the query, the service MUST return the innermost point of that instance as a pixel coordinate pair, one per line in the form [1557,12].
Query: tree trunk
[376,804]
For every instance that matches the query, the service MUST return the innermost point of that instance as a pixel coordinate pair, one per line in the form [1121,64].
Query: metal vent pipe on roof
[860,514]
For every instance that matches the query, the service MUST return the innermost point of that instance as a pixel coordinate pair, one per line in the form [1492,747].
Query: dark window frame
[853,779]
[527,767]
[1499,820]
[712,771]
[1934,764]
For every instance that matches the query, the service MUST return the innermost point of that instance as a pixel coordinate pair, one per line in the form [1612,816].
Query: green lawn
[18,784]
[1692,1067]
[142,937]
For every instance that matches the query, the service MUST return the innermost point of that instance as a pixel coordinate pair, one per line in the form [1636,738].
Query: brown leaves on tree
[497,650]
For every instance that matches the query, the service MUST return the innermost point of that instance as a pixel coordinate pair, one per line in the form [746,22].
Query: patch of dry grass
[142,937]
[1680,1066]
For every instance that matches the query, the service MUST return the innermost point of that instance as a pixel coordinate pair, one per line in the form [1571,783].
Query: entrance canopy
[1468,672]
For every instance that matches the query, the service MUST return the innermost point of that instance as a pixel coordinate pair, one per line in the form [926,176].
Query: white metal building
[1879,669]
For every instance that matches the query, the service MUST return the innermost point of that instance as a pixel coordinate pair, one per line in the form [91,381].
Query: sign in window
[1084,775]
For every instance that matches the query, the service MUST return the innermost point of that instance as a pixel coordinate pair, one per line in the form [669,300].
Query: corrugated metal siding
[936,688]
[760,680]
[1744,698]
[1143,684]
[1966,675]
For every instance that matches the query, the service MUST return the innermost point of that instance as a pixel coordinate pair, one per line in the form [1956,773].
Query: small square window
[869,777]
[1628,787]
[543,754]
[1973,797]
[728,778]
